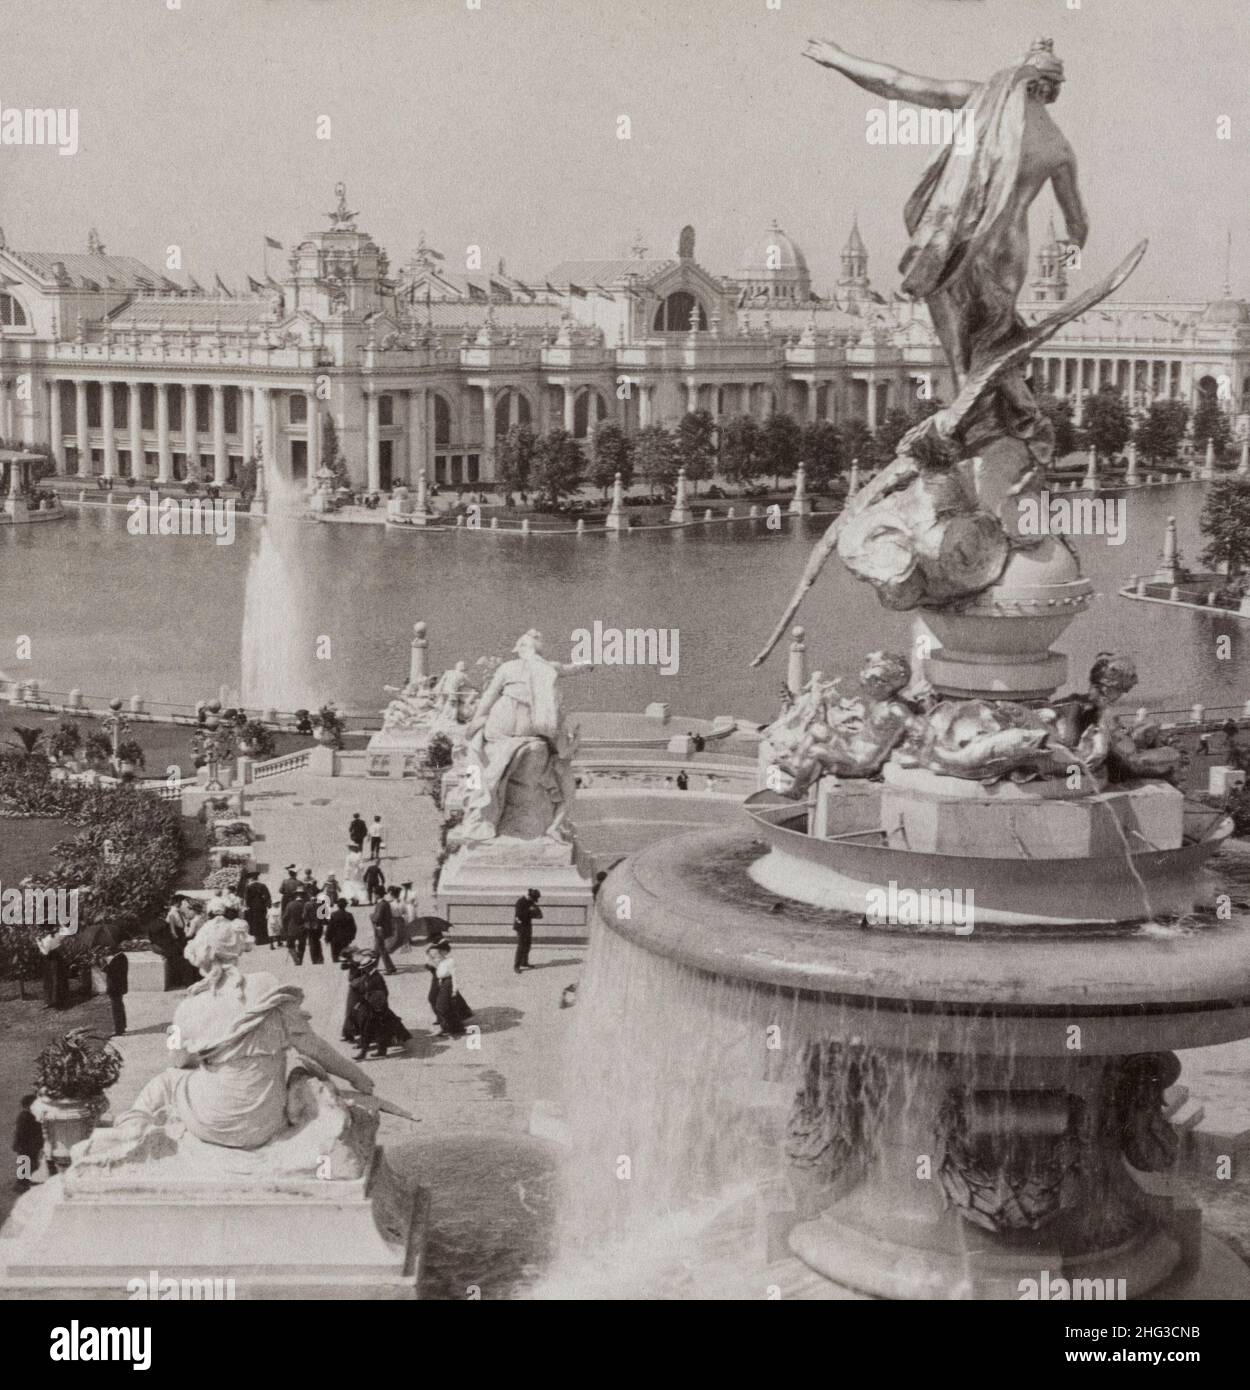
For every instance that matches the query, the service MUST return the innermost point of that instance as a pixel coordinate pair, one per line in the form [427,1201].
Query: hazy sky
[498,126]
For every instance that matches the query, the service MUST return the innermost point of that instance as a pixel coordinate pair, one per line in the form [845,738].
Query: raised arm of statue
[885,81]
[1068,196]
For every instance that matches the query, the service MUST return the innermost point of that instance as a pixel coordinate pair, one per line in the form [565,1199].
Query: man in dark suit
[340,930]
[294,931]
[356,831]
[314,925]
[256,904]
[117,982]
[383,920]
[524,914]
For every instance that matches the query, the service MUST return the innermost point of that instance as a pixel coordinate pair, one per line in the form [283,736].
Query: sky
[498,126]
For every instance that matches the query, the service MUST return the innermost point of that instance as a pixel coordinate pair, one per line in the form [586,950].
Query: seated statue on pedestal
[519,774]
[250,1076]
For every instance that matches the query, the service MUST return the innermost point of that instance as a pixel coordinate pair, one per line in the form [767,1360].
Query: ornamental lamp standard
[214,744]
[116,725]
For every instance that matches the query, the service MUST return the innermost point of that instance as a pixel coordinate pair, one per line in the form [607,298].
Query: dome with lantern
[775,265]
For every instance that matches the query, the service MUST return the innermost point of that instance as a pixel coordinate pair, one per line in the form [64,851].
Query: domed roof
[1227,312]
[773,254]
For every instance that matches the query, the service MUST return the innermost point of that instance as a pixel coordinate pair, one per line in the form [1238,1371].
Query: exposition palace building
[121,372]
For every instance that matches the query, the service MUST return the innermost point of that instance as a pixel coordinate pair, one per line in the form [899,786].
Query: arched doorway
[511,408]
[589,408]
[674,313]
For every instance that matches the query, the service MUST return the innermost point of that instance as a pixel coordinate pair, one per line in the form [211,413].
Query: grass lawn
[24,846]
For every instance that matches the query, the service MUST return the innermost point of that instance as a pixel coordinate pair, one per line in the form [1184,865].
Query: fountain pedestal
[975,1117]
[479,885]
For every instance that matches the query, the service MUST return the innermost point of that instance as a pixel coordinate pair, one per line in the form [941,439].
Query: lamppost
[116,726]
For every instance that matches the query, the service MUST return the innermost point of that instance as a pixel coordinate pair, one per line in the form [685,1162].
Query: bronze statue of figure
[941,522]
[969,218]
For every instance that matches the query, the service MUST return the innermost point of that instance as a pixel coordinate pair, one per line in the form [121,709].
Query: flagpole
[264,255]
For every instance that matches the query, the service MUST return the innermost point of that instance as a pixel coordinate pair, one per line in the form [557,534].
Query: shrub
[130,752]
[222,880]
[66,741]
[75,1068]
[253,732]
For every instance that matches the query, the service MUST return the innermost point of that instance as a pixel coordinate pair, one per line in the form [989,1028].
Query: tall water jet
[278,659]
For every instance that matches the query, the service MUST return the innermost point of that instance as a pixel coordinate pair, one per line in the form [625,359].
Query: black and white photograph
[625,662]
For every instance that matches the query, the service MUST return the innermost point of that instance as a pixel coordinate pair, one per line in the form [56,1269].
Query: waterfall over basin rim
[970,1111]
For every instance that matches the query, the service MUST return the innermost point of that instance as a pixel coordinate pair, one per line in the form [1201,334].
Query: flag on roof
[602,293]
[221,285]
[272,244]
[194,283]
[578,291]
[476,293]
[551,289]
[254,286]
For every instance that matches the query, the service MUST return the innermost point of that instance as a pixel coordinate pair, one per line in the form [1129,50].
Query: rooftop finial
[340,217]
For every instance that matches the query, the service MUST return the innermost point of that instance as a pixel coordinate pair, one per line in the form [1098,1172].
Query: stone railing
[275,767]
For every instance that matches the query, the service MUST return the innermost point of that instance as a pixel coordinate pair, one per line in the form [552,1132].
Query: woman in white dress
[353,877]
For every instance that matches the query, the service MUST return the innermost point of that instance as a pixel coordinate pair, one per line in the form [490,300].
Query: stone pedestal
[479,885]
[91,1234]
[1044,819]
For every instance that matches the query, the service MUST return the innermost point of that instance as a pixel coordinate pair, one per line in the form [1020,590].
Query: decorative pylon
[1208,460]
[420,651]
[1091,469]
[1130,475]
[796,670]
[852,486]
[800,503]
[615,520]
[421,511]
[681,512]
[1243,467]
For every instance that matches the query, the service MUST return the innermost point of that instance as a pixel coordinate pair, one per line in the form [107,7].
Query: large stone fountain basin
[1075,863]
[999,991]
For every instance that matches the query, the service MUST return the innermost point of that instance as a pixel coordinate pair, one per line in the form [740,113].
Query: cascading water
[279,670]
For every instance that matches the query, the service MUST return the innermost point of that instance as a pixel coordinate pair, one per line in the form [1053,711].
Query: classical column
[106,424]
[813,399]
[56,428]
[644,406]
[416,435]
[692,397]
[872,403]
[1078,413]
[83,437]
[138,464]
[314,437]
[262,424]
[221,460]
[164,454]
[247,429]
[373,479]
[488,430]
[191,432]
[569,398]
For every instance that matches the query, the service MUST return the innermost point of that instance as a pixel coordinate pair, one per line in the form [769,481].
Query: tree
[514,460]
[1225,525]
[612,453]
[739,439]
[820,447]
[558,467]
[655,456]
[696,444]
[331,454]
[778,448]
[857,443]
[895,425]
[1159,435]
[1210,422]
[1107,421]
[1059,413]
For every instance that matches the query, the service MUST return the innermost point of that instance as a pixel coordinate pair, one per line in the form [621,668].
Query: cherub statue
[861,752]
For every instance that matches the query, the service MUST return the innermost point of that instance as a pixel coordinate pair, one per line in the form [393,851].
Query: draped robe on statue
[521,755]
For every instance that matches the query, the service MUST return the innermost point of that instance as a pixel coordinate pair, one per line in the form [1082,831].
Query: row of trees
[1109,425]
[740,450]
